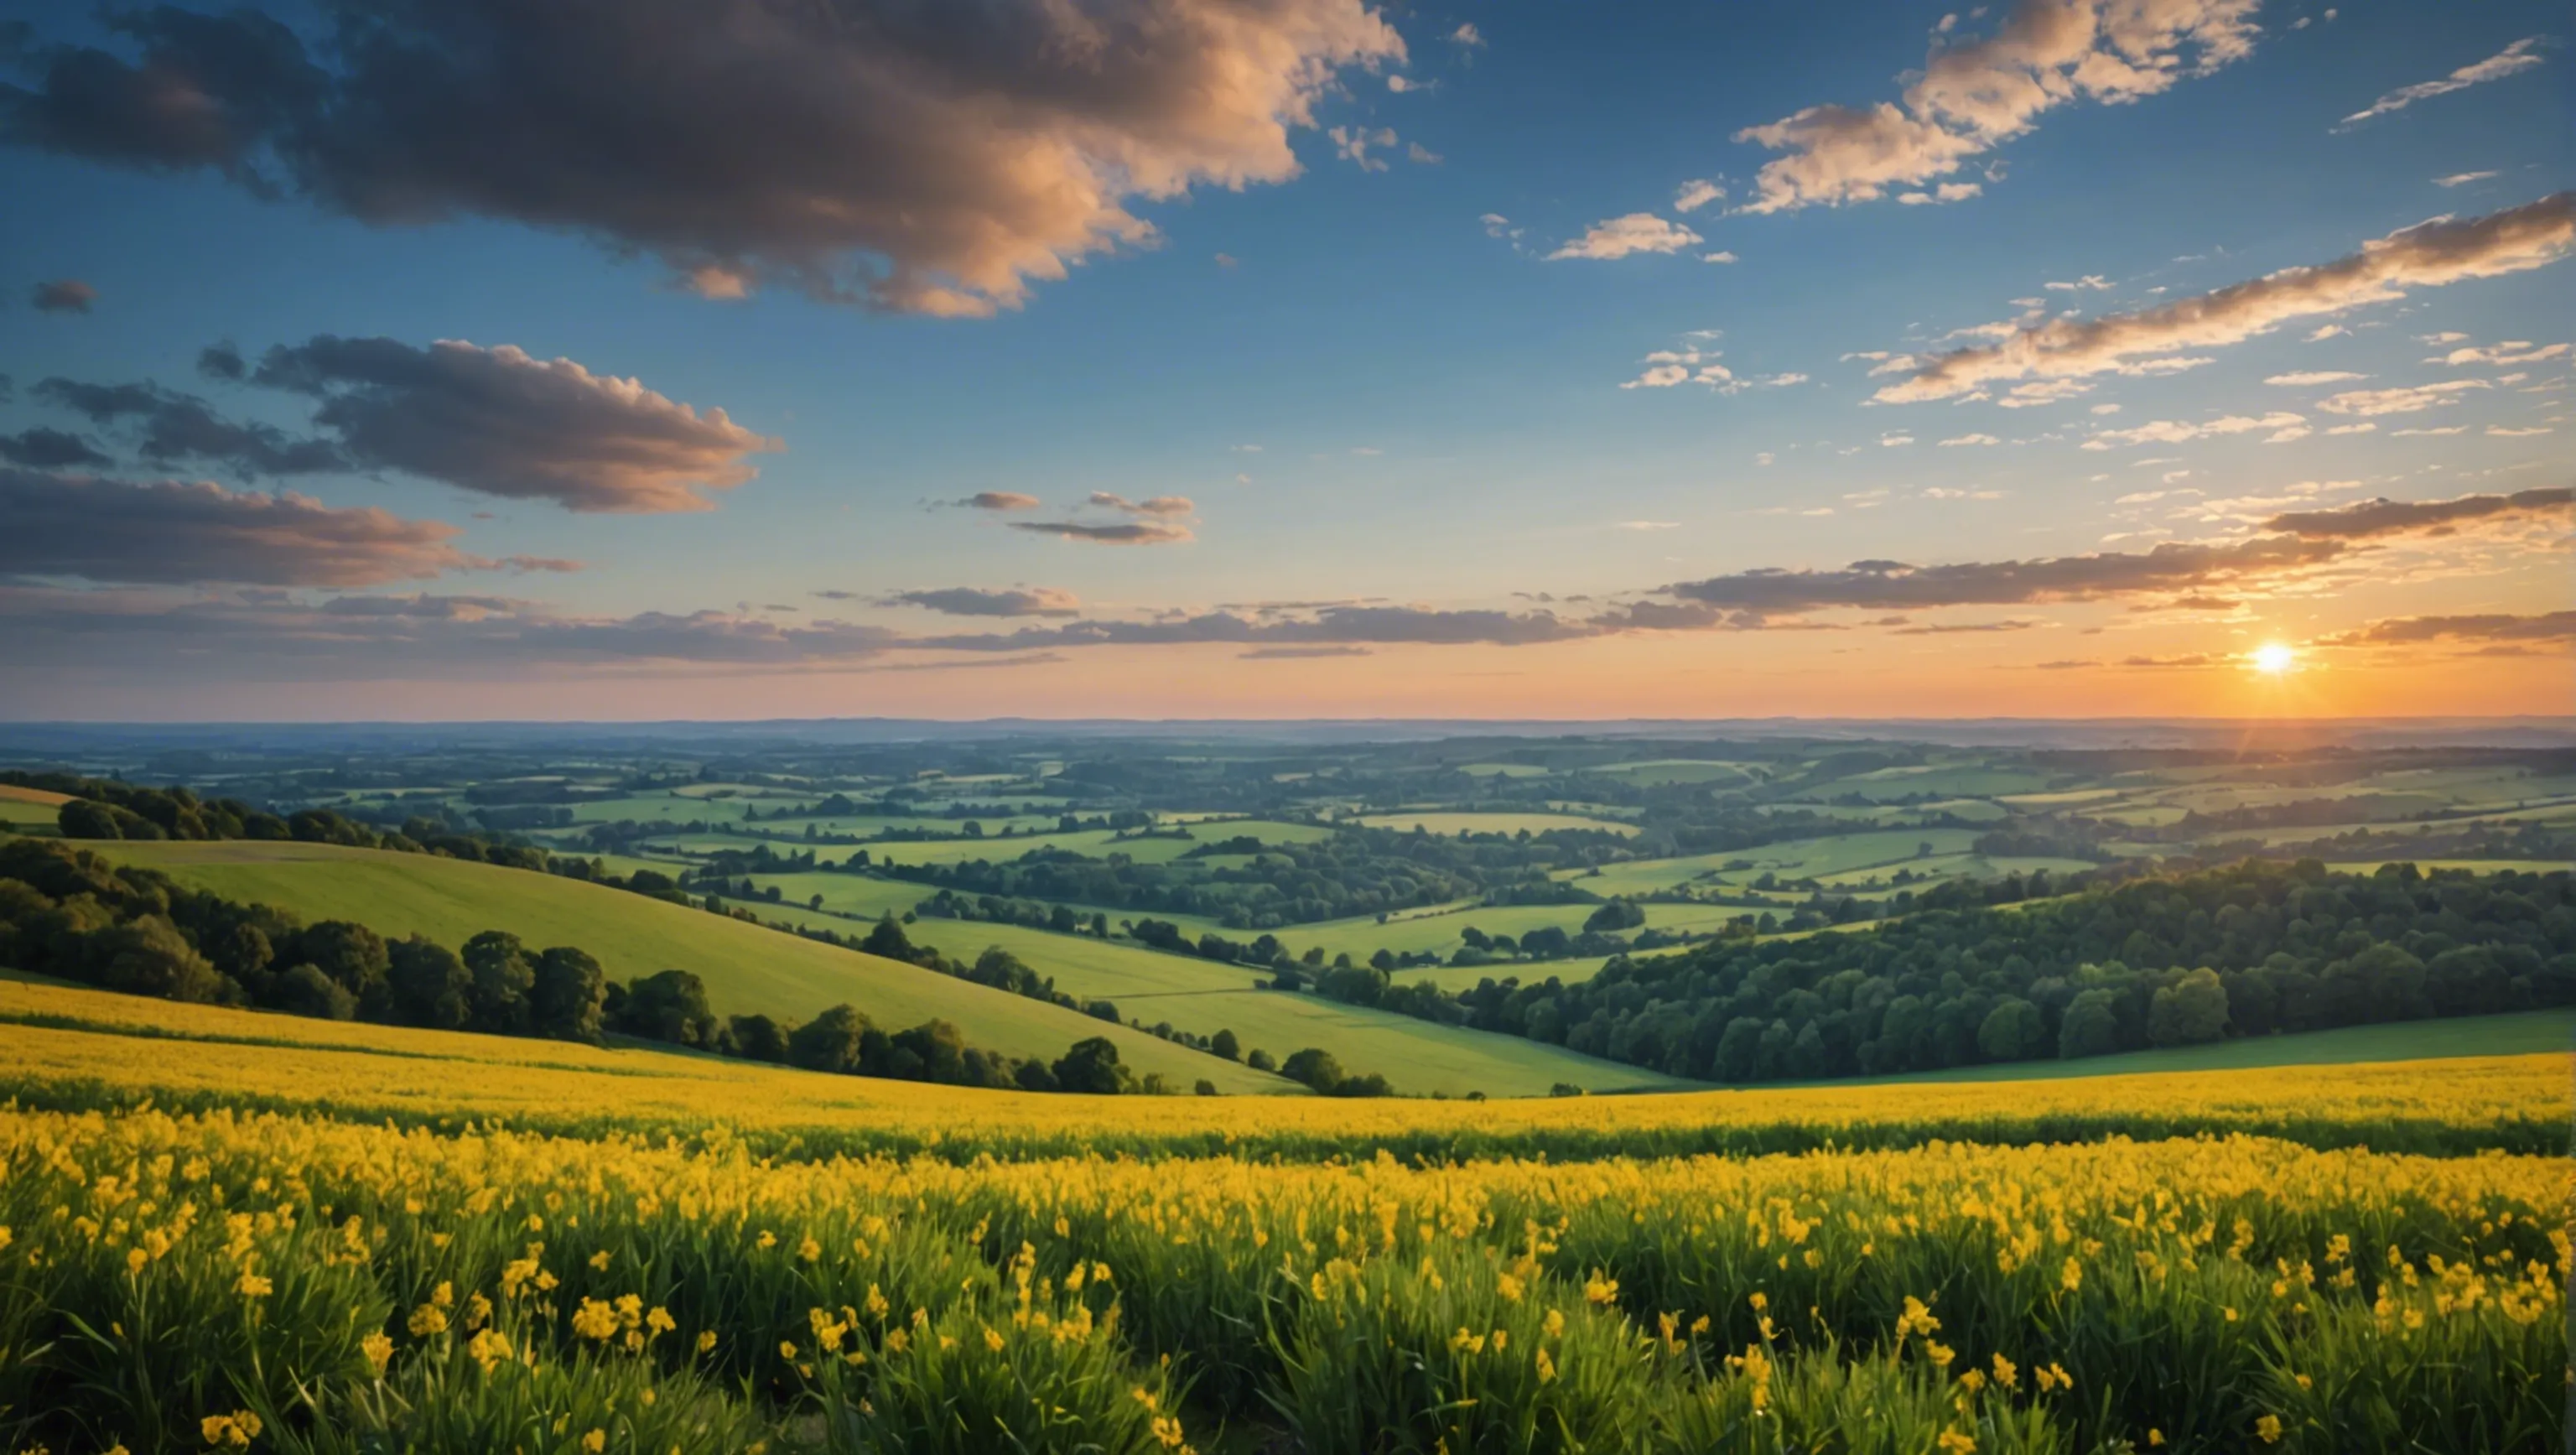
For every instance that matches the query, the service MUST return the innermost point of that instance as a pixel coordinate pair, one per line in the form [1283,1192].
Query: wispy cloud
[2520,56]
[2429,254]
[1618,237]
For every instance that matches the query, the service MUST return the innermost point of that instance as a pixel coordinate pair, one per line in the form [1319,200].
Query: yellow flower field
[354,1269]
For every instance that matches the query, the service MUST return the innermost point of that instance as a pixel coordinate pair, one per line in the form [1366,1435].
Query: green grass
[1449,824]
[2520,1033]
[29,810]
[1663,771]
[1204,997]
[747,968]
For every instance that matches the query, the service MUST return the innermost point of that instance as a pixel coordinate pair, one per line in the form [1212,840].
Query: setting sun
[2274,658]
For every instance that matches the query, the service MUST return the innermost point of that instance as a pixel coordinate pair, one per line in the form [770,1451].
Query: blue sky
[1369,394]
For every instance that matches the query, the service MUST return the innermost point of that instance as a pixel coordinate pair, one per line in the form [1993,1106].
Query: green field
[29,810]
[747,968]
[1658,772]
[1204,997]
[1450,824]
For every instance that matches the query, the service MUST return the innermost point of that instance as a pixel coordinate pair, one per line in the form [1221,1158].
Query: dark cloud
[1894,585]
[1337,625]
[170,532]
[2556,626]
[995,500]
[173,428]
[2067,664]
[2187,659]
[928,158]
[366,637]
[63,295]
[1127,533]
[1284,654]
[48,449]
[501,422]
[223,361]
[977,601]
[2439,517]
[1955,628]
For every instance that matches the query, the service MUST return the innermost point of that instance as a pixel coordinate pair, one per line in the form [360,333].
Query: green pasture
[747,968]
[1449,824]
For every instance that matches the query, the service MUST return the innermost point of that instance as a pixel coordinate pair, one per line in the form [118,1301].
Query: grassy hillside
[29,810]
[747,968]
[1204,997]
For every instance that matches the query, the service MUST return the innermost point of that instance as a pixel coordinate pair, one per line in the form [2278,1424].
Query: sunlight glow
[2274,658]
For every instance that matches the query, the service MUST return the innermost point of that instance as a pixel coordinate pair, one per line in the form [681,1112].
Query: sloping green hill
[1204,997]
[747,968]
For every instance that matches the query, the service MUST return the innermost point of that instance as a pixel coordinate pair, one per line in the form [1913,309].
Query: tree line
[69,913]
[2247,950]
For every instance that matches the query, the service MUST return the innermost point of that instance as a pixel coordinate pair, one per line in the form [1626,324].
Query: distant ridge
[69,739]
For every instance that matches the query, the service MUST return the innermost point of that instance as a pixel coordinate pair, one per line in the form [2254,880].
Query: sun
[2274,658]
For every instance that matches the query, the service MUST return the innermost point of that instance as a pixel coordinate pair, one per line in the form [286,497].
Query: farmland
[1987,1165]
[337,1277]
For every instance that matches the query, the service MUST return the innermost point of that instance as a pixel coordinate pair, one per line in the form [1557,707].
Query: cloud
[2284,426]
[2462,179]
[2409,400]
[2373,518]
[1947,192]
[1132,533]
[1697,193]
[2520,56]
[169,532]
[2510,352]
[1466,35]
[978,601]
[1719,257]
[999,500]
[1971,627]
[1281,654]
[48,449]
[2429,254]
[1649,525]
[223,362]
[1421,155]
[2556,626]
[1895,586]
[925,158]
[1158,505]
[2306,377]
[1970,439]
[2186,660]
[499,421]
[63,295]
[1972,97]
[1617,237]
[173,428]
[2524,432]
[2094,282]
[1352,143]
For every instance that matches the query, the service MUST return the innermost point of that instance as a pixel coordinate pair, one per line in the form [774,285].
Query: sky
[529,359]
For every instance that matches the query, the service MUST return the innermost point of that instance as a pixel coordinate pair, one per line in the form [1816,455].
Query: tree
[1617,915]
[1091,1068]
[305,990]
[1224,1044]
[758,1038]
[888,939]
[82,819]
[353,955]
[565,1001]
[2189,1012]
[2013,1030]
[1260,1060]
[429,985]
[671,1007]
[1739,1049]
[1314,1066]
[148,956]
[2091,1026]
[503,976]
[830,1041]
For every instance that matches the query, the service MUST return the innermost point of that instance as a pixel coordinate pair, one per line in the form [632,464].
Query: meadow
[750,968]
[237,1244]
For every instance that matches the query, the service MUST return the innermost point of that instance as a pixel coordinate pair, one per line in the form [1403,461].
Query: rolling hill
[747,968]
